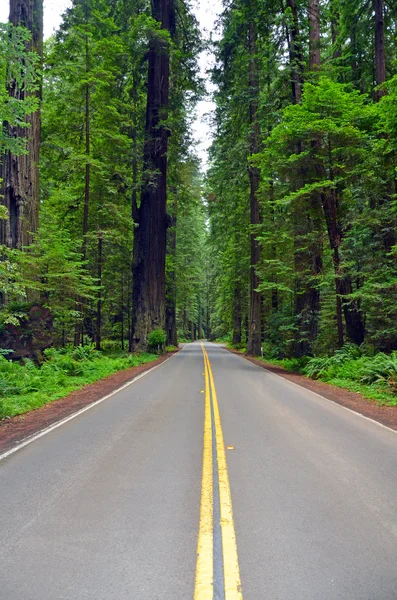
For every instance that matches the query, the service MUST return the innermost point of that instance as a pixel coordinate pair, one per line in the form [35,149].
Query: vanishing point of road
[207,479]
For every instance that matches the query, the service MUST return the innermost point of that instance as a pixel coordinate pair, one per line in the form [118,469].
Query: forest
[116,244]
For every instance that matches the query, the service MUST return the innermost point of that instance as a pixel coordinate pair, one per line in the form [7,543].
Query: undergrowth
[375,377]
[27,386]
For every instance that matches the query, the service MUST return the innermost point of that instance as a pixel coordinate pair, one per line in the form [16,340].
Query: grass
[24,387]
[374,377]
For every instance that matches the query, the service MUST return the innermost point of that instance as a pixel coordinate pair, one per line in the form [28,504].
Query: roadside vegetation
[28,385]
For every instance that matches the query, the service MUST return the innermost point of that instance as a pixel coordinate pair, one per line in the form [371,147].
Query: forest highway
[207,479]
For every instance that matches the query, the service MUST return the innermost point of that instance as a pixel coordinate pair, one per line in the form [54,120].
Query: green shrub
[3,410]
[317,366]
[382,368]
[171,348]
[156,340]
[111,346]
[87,352]
[240,346]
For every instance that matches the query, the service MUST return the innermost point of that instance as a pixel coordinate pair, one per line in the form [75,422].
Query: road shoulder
[17,429]
[386,415]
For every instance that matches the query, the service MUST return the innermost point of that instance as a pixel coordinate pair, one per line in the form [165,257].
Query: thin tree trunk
[380,63]
[254,328]
[295,55]
[78,332]
[208,311]
[314,35]
[21,173]
[99,297]
[150,237]
[122,312]
[335,18]
[170,309]
[343,285]
[237,320]
[192,331]
[87,154]
[199,319]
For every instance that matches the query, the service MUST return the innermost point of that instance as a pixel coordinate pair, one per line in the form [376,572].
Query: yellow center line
[204,587]
[231,570]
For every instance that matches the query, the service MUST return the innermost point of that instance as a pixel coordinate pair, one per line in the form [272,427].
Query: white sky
[206,12]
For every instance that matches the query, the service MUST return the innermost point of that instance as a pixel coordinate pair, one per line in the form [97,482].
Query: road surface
[133,498]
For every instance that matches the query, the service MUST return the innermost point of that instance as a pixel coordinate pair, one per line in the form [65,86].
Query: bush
[328,366]
[349,363]
[111,345]
[171,348]
[156,340]
[381,369]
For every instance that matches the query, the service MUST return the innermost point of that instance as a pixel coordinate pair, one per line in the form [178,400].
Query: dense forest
[302,185]
[110,233]
[108,103]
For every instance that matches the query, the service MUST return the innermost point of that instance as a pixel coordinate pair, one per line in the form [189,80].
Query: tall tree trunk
[199,319]
[150,236]
[314,35]
[98,337]
[295,54]
[237,318]
[192,331]
[87,154]
[335,18]
[122,312]
[21,173]
[343,285]
[380,62]
[208,309]
[78,332]
[307,216]
[254,327]
[170,308]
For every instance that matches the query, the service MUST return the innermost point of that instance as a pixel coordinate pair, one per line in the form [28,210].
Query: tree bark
[343,285]
[295,54]
[254,325]
[380,62]
[314,35]
[98,337]
[150,235]
[237,322]
[78,332]
[170,308]
[21,173]
[87,153]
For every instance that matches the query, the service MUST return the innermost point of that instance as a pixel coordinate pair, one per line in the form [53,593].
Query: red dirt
[387,415]
[16,429]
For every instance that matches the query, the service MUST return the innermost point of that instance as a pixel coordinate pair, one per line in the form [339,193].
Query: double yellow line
[204,587]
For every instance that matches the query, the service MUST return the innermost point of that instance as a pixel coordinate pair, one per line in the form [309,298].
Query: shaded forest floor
[358,402]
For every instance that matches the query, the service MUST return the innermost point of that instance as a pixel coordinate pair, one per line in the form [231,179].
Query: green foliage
[19,67]
[350,364]
[156,340]
[28,386]
[171,348]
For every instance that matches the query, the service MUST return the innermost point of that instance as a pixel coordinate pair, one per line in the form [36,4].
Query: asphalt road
[107,506]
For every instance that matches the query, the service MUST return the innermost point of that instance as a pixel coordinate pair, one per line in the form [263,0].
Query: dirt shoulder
[17,429]
[387,415]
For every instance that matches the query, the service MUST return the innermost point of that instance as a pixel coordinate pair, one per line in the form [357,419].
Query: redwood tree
[149,301]
[20,173]
[254,323]
[380,64]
